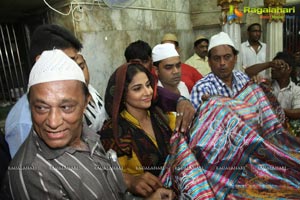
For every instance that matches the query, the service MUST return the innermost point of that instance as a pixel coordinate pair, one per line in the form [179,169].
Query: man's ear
[37,57]
[209,62]
[155,69]
[290,69]
[88,99]
[235,59]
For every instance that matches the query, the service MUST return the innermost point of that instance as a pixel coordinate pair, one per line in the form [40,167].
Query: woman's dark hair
[110,93]
[132,70]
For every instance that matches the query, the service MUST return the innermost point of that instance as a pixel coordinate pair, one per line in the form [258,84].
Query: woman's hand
[162,194]
[185,114]
[142,185]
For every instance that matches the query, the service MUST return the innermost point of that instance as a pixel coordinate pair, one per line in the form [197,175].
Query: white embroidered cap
[163,51]
[221,38]
[54,65]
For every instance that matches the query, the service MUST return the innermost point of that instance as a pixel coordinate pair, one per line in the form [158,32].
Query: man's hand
[205,97]
[162,194]
[142,185]
[278,64]
[185,114]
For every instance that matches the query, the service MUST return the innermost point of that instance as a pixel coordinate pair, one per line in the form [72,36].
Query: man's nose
[54,118]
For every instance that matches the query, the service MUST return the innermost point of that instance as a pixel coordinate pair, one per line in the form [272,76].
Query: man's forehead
[171,60]
[71,52]
[221,50]
[203,42]
[255,27]
[57,88]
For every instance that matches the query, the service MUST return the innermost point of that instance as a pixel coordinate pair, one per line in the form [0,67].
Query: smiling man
[62,158]
[18,122]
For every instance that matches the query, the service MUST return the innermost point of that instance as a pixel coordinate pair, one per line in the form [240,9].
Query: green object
[295,127]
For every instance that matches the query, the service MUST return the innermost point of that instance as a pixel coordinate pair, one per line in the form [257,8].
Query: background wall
[106,32]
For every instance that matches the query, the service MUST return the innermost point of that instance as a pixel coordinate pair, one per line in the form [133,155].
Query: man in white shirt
[285,90]
[253,51]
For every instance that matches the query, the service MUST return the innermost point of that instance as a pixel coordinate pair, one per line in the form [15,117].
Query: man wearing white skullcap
[62,158]
[54,66]
[223,81]
[167,65]
[18,122]
[59,152]
[189,75]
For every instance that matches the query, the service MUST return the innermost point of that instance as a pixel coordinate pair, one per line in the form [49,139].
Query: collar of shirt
[221,84]
[88,136]
[276,85]
[248,45]
[238,82]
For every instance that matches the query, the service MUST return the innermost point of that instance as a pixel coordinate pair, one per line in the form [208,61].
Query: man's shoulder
[20,109]
[245,43]
[189,68]
[193,57]
[295,88]
[19,113]
[240,74]
[206,80]
[245,46]
[184,65]
[26,154]
[262,43]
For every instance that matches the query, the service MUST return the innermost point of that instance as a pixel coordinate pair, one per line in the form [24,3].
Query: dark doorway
[291,31]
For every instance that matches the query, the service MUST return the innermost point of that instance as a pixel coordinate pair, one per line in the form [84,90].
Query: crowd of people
[166,129]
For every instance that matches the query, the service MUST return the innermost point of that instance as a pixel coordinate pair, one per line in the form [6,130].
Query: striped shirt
[95,113]
[213,85]
[38,172]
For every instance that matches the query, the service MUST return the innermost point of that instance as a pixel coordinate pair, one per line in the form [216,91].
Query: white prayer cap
[163,51]
[221,38]
[54,65]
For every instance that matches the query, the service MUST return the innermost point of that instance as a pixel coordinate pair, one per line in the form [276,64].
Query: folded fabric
[242,151]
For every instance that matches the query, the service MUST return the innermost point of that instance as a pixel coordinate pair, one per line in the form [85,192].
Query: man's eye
[168,67]
[41,109]
[216,59]
[228,57]
[68,108]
